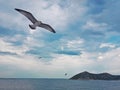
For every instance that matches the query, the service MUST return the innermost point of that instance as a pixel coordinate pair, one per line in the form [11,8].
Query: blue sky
[87,38]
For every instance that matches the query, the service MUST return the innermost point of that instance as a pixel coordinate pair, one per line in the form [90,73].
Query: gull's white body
[33,26]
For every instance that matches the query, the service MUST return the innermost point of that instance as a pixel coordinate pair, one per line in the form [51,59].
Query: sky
[87,38]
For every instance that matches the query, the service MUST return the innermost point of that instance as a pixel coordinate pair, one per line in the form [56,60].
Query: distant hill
[90,76]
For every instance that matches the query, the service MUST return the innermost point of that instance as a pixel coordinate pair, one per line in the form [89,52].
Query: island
[91,76]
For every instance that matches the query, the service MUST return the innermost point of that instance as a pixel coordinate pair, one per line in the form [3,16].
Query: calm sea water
[57,84]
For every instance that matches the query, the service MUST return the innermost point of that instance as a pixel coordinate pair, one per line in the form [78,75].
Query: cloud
[8,47]
[109,45]
[72,43]
[62,63]
[59,65]
[92,25]
[82,26]
[111,60]
[16,24]
[95,29]
[59,17]
[110,18]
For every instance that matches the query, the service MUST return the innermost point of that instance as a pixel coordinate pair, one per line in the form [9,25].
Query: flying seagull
[35,21]
[39,57]
[65,74]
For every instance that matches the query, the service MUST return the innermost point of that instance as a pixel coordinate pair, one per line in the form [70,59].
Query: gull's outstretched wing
[27,14]
[48,27]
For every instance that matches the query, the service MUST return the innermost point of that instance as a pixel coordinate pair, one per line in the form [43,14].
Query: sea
[57,84]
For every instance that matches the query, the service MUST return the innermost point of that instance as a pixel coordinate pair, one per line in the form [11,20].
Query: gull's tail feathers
[32,26]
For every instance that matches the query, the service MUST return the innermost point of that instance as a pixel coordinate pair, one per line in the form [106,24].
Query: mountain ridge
[91,76]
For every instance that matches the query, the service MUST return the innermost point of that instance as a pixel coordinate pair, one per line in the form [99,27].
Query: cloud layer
[87,38]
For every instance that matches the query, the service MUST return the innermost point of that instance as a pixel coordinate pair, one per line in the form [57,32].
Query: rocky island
[90,76]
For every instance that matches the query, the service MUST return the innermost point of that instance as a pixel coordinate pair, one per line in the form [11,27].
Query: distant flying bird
[39,57]
[35,21]
[65,74]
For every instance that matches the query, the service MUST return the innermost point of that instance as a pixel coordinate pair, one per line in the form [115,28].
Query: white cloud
[59,17]
[9,21]
[27,43]
[75,43]
[32,42]
[61,64]
[8,47]
[92,25]
[107,45]
[72,44]
[111,60]
[15,38]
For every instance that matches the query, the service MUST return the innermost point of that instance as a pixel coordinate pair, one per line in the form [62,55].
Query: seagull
[35,21]
[65,74]
[39,57]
